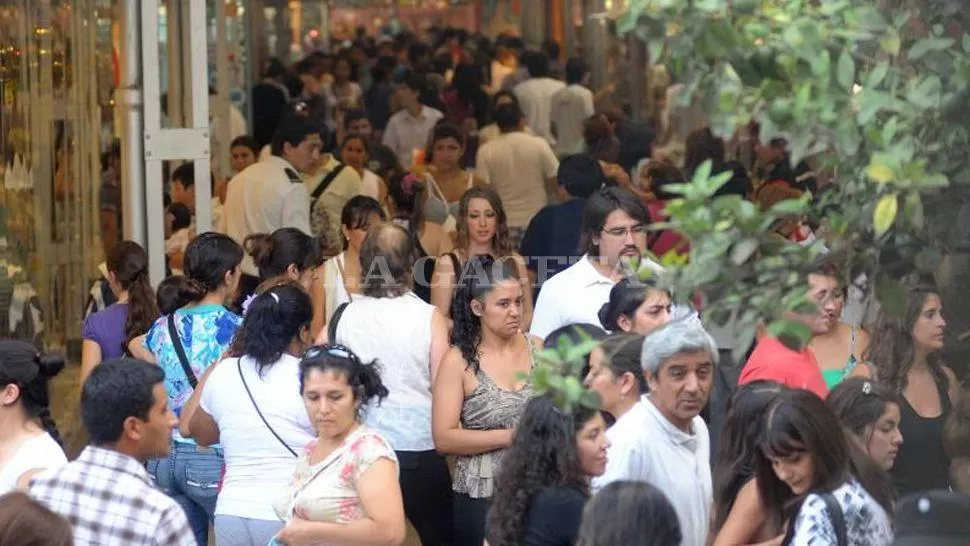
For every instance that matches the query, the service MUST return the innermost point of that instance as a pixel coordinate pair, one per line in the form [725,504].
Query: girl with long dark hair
[871,414]
[256,384]
[185,344]
[739,515]
[480,392]
[904,357]
[466,99]
[355,153]
[107,333]
[543,484]
[483,229]
[808,469]
[29,440]
[290,253]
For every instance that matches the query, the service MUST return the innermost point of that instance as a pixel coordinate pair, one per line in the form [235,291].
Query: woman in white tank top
[341,274]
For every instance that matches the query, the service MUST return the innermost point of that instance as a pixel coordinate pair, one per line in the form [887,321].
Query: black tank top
[922,464]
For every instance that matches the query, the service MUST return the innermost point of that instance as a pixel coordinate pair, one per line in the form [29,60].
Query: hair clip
[867,388]
[275,297]
[408,182]
[247,302]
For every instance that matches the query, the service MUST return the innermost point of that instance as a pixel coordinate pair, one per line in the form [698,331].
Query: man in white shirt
[535,94]
[409,128]
[270,194]
[662,440]
[571,107]
[521,167]
[614,231]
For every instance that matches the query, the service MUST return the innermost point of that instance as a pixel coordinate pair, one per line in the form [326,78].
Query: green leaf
[792,334]
[877,74]
[966,42]
[743,250]
[927,45]
[845,71]
[885,213]
[914,210]
[891,295]
[880,172]
[891,43]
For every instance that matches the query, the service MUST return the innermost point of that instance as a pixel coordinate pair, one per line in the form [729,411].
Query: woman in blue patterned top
[204,329]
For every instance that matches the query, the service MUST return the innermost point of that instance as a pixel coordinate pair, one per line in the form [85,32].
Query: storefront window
[54,118]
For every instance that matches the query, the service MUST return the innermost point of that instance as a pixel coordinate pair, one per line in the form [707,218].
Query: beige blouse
[326,491]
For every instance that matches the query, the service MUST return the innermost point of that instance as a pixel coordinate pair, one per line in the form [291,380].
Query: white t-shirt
[535,97]
[257,464]
[571,107]
[371,184]
[39,452]
[517,165]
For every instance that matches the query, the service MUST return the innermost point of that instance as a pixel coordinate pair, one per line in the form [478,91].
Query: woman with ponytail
[480,392]
[256,385]
[106,333]
[407,195]
[292,254]
[185,343]
[29,441]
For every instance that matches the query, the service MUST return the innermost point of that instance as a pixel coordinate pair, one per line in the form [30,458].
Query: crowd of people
[352,348]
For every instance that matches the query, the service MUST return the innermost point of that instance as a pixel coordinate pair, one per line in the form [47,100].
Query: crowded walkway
[414,229]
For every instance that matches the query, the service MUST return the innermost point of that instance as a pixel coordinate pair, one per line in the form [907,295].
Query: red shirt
[772,361]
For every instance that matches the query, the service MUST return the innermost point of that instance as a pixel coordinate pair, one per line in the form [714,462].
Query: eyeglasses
[639,229]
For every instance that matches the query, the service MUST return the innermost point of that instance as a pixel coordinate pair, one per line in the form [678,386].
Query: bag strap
[180,351]
[325,183]
[258,412]
[838,518]
[334,319]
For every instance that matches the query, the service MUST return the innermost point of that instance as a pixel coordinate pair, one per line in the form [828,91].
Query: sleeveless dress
[922,464]
[488,407]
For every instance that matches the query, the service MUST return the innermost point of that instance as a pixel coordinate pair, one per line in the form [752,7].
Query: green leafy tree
[877,93]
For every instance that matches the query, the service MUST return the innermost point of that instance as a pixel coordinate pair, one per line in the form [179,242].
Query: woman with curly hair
[480,390]
[740,516]
[483,229]
[904,357]
[543,485]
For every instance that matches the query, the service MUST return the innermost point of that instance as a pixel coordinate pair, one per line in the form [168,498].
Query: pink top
[772,361]
[327,491]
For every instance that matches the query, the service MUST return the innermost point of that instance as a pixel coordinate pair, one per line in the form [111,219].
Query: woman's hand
[298,532]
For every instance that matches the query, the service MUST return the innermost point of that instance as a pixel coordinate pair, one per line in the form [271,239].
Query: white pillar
[128,99]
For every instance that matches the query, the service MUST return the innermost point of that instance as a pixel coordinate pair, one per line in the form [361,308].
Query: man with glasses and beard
[614,232]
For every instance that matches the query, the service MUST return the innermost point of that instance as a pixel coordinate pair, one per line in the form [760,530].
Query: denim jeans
[235,531]
[190,475]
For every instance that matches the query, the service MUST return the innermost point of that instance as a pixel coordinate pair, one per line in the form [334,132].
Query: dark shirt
[268,103]
[553,233]
[553,518]
[378,102]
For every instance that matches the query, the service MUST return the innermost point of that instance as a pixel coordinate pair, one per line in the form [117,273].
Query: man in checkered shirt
[106,493]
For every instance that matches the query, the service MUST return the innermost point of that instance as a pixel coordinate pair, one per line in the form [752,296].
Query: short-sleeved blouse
[327,491]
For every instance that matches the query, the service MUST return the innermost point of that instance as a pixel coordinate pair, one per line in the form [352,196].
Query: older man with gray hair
[663,440]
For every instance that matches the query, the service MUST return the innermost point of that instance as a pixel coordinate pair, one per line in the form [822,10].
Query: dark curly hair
[502,241]
[543,454]
[364,378]
[280,310]
[478,277]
